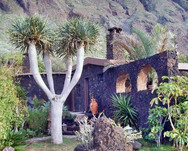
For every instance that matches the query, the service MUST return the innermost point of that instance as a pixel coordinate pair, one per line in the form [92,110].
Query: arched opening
[147,78]
[123,83]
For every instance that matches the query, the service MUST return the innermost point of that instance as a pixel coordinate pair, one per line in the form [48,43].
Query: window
[147,77]
[123,83]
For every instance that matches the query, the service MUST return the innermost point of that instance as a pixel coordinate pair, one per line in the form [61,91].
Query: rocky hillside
[122,13]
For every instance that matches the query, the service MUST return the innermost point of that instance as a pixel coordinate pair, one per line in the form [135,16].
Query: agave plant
[124,112]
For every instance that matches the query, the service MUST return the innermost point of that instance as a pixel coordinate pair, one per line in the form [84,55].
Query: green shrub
[38,118]
[41,65]
[168,93]
[29,133]
[15,139]
[15,59]
[12,107]
[157,119]
[182,58]
[124,112]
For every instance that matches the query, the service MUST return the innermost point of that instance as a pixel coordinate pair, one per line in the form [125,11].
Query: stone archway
[147,76]
[123,83]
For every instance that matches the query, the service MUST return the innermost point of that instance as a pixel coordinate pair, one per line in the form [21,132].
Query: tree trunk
[68,72]
[48,67]
[56,121]
[35,70]
[77,74]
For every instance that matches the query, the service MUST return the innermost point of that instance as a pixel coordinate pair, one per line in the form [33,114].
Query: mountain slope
[122,13]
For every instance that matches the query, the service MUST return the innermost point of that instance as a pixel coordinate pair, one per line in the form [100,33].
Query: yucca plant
[32,34]
[75,33]
[74,37]
[31,30]
[124,112]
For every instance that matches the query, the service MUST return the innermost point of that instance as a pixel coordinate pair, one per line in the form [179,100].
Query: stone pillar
[170,59]
[172,63]
[112,51]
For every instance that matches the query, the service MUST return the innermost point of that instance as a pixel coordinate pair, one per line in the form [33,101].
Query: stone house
[104,77]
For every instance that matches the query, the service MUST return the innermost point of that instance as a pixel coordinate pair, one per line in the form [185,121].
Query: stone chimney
[113,52]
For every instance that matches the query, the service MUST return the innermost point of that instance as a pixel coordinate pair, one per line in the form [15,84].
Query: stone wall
[81,94]
[165,64]
[29,84]
[78,100]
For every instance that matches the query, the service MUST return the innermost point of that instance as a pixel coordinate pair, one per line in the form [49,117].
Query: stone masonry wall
[29,84]
[164,63]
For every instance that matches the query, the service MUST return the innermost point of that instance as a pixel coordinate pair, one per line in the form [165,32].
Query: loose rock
[8,149]
[108,137]
[136,145]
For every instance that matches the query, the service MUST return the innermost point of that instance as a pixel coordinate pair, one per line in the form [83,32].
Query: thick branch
[169,114]
[68,72]
[77,74]
[35,70]
[48,67]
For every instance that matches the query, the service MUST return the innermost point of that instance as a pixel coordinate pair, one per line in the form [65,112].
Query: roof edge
[183,66]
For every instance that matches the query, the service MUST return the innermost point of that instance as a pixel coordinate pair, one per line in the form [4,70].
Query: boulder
[108,137]
[136,145]
[8,149]
[80,147]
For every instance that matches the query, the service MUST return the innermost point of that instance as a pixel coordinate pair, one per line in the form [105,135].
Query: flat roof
[29,74]
[103,63]
[183,66]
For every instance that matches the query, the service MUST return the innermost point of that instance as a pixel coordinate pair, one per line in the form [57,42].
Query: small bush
[38,118]
[157,119]
[182,58]
[85,133]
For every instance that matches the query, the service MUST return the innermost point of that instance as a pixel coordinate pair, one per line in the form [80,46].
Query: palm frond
[146,41]
[159,40]
[125,42]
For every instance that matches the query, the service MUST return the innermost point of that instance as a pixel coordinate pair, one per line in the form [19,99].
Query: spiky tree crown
[75,32]
[34,28]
